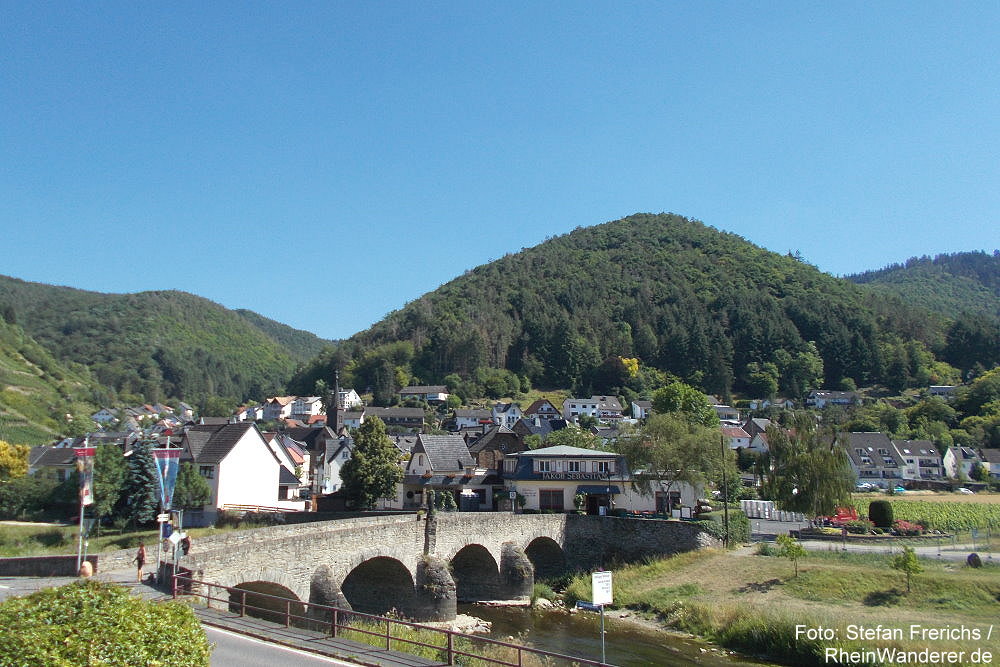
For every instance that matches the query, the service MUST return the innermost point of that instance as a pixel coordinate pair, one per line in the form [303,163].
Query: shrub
[858,527]
[880,513]
[93,623]
[739,526]
[542,591]
[766,549]
[908,528]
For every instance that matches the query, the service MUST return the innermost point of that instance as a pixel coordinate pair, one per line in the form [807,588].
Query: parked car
[899,489]
[966,491]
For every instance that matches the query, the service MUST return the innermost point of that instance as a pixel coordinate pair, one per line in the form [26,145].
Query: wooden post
[333,628]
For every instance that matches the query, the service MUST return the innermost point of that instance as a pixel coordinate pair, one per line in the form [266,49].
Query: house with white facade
[958,462]
[465,418]
[240,467]
[543,409]
[506,414]
[641,409]
[429,393]
[873,458]
[550,478]
[921,460]
[606,409]
[736,437]
[820,398]
[304,407]
[278,407]
[349,399]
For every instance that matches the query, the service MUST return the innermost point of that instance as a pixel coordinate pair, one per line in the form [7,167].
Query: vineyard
[946,516]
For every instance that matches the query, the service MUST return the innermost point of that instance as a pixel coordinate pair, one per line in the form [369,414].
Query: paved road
[234,650]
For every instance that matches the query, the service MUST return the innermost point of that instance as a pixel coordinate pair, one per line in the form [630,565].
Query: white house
[606,409]
[736,437]
[991,459]
[429,393]
[506,414]
[472,418]
[819,398]
[641,409]
[239,466]
[278,407]
[551,478]
[350,399]
[958,461]
[304,407]
[920,459]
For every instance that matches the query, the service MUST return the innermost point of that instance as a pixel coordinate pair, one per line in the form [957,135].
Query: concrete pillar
[517,575]
[435,597]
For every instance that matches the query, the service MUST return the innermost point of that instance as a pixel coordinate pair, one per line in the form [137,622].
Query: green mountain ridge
[160,344]
[683,297]
[948,284]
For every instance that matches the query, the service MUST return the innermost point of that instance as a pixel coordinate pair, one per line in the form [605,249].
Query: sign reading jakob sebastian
[576,475]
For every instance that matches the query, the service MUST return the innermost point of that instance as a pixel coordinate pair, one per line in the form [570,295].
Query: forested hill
[682,297]
[158,345]
[965,282]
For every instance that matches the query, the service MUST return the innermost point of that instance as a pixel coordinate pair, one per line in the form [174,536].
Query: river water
[627,644]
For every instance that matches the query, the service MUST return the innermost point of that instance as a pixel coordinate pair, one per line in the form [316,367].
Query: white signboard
[601,583]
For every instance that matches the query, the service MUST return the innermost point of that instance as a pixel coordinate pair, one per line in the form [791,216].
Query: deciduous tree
[805,472]
[373,470]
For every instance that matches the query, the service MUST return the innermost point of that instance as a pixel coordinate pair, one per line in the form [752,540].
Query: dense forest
[158,345]
[954,285]
[676,296]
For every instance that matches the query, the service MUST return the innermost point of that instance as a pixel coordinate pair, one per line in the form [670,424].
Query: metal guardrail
[341,619]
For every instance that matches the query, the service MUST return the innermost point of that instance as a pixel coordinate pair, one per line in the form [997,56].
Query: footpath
[304,640]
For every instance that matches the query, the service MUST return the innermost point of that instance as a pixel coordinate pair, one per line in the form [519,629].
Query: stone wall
[42,566]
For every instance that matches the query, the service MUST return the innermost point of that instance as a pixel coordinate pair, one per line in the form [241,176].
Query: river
[628,644]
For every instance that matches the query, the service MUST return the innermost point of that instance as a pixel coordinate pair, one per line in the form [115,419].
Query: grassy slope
[35,390]
[739,598]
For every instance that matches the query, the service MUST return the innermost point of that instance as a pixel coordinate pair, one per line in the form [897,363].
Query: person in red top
[140,560]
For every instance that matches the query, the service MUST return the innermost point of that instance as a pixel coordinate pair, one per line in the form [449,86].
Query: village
[282,456]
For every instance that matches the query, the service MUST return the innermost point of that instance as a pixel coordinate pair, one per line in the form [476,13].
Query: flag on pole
[85,466]
[167,462]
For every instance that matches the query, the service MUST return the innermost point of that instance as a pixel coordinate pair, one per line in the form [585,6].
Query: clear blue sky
[324,163]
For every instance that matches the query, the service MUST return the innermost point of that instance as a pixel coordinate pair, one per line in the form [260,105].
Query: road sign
[601,583]
[587,606]
[163,518]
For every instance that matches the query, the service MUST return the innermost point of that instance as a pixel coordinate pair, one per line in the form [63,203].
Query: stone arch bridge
[422,567]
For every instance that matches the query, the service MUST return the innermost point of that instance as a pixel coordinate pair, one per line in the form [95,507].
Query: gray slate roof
[445,452]
[209,444]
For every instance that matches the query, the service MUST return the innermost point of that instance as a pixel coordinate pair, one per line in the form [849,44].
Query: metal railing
[336,621]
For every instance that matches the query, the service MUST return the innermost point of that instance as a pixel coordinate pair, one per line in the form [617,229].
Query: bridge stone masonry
[422,567]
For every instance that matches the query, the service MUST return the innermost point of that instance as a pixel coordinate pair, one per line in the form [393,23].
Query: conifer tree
[142,491]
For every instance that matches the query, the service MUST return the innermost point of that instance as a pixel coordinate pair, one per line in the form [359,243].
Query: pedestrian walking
[140,560]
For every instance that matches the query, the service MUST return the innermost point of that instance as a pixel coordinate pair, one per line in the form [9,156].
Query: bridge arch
[547,557]
[267,600]
[476,574]
[379,585]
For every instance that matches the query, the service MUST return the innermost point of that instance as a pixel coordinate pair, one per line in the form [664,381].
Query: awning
[597,488]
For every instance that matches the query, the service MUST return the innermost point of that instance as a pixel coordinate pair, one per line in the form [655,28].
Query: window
[550,499]
[545,466]
[208,472]
[602,466]
[573,466]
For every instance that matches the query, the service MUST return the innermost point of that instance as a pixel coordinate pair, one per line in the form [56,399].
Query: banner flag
[85,466]
[167,462]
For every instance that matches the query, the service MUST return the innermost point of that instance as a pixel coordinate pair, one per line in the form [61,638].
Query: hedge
[94,623]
